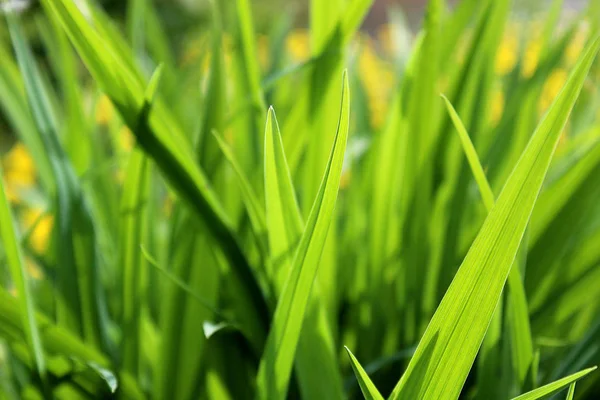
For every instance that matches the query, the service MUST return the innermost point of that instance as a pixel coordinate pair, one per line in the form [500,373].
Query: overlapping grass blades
[237,265]
[457,329]
[276,363]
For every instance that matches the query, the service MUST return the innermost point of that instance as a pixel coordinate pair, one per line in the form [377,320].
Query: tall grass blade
[276,363]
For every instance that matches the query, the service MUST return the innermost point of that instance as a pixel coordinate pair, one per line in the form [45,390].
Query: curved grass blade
[367,387]
[485,190]
[276,364]
[521,344]
[554,387]
[449,345]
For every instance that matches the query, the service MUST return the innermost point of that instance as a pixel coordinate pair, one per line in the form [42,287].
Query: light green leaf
[517,311]
[571,391]
[554,387]
[276,364]
[316,362]
[369,390]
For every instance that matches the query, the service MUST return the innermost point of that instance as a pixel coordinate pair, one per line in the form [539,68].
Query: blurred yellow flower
[167,207]
[497,106]
[104,110]
[126,139]
[531,57]
[345,179]
[507,55]
[192,51]
[33,269]
[297,44]
[263,51]
[551,88]
[378,78]
[575,47]
[19,171]
[34,218]
[384,35]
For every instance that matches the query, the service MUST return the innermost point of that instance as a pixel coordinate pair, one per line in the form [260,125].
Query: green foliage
[176,243]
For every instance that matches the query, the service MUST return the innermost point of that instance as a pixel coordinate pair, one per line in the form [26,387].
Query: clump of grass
[167,236]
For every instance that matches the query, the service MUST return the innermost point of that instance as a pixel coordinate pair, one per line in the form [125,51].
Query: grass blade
[316,363]
[517,312]
[571,391]
[276,364]
[554,387]
[367,387]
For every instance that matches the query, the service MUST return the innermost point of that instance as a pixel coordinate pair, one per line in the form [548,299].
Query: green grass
[188,243]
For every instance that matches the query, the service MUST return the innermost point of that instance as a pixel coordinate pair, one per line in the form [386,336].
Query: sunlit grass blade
[517,311]
[317,371]
[571,391]
[485,190]
[448,348]
[367,387]
[284,221]
[276,364]
[554,387]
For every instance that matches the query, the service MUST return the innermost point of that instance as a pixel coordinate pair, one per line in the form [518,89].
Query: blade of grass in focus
[276,363]
[315,359]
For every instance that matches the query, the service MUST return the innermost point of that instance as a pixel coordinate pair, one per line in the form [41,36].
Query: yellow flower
[497,106]
[19,171]
[126,139]
[345,179]
[384,35]
[192,51]
[507,55]
[34,271]
[104,110]
[263,51]
[551,88]
[167,207]
[575,47]
[33,218]
[531,58]
[378,78]
[297,44]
